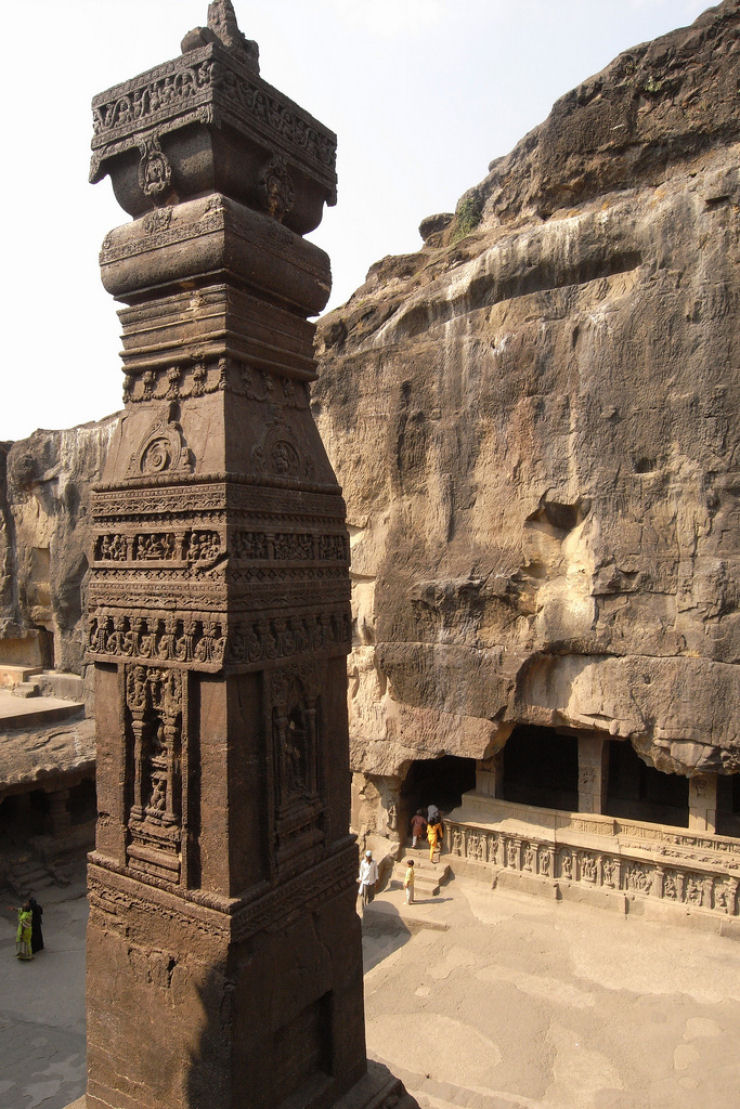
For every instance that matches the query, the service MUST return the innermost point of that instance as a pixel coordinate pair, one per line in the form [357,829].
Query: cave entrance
[636,791]
[540,767]
[46,647]
[23,815]
[439,782]
[728,805]
[82,803]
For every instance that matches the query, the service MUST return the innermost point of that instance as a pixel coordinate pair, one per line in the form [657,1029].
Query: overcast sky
[422,95]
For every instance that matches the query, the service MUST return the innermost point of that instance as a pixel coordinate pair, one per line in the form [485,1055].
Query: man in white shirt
[368,878]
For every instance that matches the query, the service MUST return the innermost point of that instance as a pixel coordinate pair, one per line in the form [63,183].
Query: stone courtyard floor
[474,998]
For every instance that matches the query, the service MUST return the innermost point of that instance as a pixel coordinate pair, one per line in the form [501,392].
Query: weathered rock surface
[44,755]
[534,420]
[45,484]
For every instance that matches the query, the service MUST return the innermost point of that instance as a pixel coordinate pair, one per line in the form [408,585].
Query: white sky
[422,95]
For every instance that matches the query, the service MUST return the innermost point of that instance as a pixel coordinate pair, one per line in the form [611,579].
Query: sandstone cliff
[45,484]
[534,420]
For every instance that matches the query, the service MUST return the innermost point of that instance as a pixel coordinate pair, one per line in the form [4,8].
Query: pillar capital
[206,122]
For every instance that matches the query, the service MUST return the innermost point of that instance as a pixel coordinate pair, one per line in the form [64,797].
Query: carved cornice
[115,893]
[183,381]
[207,493]
[214,87]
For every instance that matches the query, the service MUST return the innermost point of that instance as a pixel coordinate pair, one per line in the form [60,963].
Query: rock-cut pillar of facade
[224,963]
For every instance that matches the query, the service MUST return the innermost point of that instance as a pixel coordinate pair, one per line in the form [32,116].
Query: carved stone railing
[617,857]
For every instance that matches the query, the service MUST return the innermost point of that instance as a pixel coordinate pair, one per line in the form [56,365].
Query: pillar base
[378,1089]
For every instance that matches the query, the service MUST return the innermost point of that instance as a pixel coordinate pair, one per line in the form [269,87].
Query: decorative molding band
[690,878]
[208,643]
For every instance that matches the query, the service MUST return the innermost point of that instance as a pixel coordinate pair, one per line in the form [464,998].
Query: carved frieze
[180,382]
[203,548]
[137,105]
[207,643]
[710,887]
[209,494]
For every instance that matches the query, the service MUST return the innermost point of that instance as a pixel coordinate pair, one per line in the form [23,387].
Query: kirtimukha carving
[224,960]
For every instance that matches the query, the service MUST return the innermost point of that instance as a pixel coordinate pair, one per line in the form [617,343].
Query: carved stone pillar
[593,773]
[61,820]
[224,960]
[489,775]
[703,803]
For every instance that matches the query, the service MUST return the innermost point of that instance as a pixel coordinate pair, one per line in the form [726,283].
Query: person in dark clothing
[37,939]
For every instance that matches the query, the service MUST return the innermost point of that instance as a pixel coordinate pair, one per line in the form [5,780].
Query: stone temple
[535,423]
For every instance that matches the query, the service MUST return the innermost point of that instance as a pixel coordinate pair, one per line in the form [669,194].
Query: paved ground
[476,999]
[523,1002]
[42,1004]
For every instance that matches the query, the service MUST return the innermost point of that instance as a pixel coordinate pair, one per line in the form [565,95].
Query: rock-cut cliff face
[534,420]
[45,484]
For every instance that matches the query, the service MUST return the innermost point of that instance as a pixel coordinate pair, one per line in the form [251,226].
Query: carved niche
[154,702]
[296,743]
[162,450]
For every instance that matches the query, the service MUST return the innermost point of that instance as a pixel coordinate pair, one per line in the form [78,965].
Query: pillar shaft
[593,773]
[61,820]
[224,962]
[703,803]
[489,775]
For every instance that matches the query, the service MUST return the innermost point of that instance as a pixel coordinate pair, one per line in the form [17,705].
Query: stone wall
[628,866]
[534,421]
[45,483]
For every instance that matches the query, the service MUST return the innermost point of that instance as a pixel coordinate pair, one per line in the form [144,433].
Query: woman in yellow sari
[434,835]
[23,934]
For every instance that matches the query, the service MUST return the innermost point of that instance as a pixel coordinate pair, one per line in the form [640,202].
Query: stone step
[61,684]
[428,877]
[17,712]
[26,689]
[30,878]
[11,676]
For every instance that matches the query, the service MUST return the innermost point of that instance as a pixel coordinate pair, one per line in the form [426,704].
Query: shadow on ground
[382,934]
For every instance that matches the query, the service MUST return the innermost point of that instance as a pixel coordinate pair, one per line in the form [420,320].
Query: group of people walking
[429,827]
[29,939]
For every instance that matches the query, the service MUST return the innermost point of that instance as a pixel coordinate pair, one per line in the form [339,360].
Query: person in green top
[23,934]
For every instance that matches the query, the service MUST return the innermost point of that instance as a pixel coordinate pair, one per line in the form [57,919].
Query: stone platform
[629,866]
[378,1089]
[32,712]
[41,746]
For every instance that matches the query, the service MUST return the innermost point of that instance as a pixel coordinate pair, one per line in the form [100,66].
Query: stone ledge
[377,1089]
